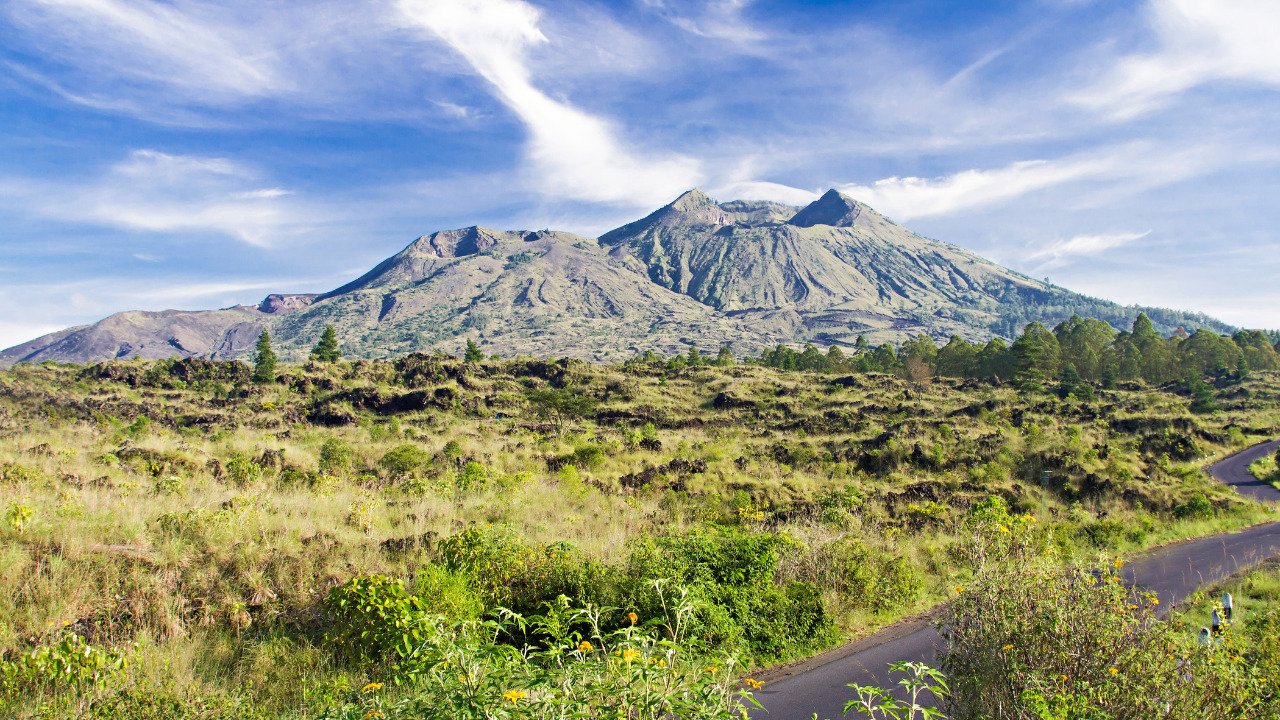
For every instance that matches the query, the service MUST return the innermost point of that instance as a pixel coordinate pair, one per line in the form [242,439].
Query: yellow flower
[515,696]
[753,683]
[628,655]
[371,687]
[1003,528]
[1063,678]
[1007,648]
[1113,671]
[959,589]
[1155,601]
[584,647]
[711,668]
[1118,563]
[373,714]
[632,618]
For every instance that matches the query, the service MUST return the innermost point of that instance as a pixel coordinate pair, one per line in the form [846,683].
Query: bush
[508,572]
[1030,639]
[732,573]
[374,620]
[472,476]
[241,471]
[336,457]
[404,460]
[70,665]
[1196,507]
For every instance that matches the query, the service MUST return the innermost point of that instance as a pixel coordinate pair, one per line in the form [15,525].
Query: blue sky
[195,155]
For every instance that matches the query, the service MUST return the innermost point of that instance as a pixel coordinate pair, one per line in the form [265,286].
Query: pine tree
[264,359]
[694,357]
[1036,356]
[327,349]
[473,354]
[725,357]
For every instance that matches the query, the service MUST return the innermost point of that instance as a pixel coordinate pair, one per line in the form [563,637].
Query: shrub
[17,515]
[404,460]
[1196,507]
[374,620]
[508,572]
[70,665]
[472,476]
[1033,640]
[241,471]
[336,457]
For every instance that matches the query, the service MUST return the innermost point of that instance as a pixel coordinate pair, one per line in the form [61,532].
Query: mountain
[749,274]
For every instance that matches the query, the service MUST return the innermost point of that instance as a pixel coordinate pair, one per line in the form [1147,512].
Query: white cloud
[574,154]
[1082,245]
[763,190]
[1200,41]
[170,44]
[715,19]
[159,192]
[905,198]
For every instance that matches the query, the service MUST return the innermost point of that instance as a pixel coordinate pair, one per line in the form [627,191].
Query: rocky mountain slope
[750,274]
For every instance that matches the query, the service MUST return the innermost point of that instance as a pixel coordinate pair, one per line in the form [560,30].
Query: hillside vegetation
[345,538]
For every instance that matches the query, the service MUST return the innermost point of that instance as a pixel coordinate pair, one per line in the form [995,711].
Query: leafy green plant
[920,684]
[17,515]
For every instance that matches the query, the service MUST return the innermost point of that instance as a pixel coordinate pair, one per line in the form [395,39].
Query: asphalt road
[818,685]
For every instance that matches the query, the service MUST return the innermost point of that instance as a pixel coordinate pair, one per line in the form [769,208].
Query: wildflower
[1003,528]
[371,687]
[1118,563]
[1063,678]
[373,714]
[711,668]
[584,647]
[1007,648]
[1113,671]
[628,655]
[632,618]
[753,683]
[515,696]
[959,589]
[1155,601]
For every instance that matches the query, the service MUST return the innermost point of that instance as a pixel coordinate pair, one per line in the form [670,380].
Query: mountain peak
[692,209]
[691,200]
[832,209]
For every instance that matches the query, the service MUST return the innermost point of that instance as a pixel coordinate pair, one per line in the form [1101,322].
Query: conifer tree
[327,349]
[473,353]
[264,359]
[1036,356]
[724,358]
[694,358]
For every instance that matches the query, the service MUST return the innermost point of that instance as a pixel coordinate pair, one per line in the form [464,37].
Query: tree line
[1080,350]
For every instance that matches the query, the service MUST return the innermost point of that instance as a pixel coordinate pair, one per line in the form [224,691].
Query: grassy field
[206,535]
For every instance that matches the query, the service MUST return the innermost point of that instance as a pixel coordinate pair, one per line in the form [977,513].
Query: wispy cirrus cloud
[906,198]
[1198,41]
[180,45]
[574,154]
[1056,253]
[717,20]
[160,192]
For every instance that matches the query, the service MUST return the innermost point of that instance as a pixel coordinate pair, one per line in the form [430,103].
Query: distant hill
[750,274]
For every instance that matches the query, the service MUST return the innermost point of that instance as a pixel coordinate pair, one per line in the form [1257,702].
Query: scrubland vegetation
[431,537]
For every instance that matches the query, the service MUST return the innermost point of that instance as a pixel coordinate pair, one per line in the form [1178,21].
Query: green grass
[174,510]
